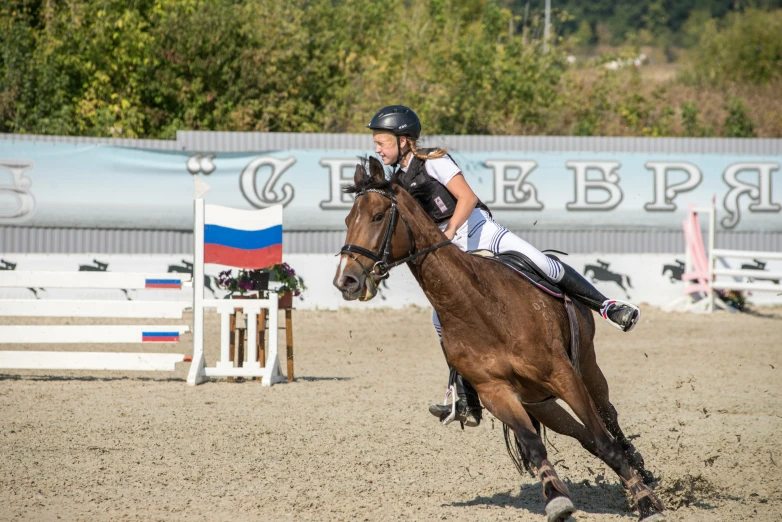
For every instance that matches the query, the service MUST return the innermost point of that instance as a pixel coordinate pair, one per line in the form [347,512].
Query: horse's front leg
[503,402]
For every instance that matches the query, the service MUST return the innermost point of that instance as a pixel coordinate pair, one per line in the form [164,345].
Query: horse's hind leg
[504,404]
[599,442]
[597,385]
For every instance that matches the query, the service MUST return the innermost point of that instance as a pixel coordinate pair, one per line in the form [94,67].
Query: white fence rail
[97,279]
[29,360]
[87,308]
[90,334]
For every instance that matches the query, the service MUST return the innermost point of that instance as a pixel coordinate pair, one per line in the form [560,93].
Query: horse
[513,348]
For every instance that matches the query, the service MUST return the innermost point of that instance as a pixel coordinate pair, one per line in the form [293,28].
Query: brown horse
[513,348]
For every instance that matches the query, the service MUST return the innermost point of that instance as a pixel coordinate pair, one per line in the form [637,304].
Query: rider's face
[385,146]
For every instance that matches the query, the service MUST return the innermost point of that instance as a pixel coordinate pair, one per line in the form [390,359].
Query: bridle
[381,266]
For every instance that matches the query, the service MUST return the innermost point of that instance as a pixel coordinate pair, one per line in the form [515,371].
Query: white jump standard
[247,239]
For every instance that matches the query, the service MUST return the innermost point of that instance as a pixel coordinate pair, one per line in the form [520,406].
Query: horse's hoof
[559,509]
[648,478]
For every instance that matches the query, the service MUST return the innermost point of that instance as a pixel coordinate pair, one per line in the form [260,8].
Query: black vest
[433,196]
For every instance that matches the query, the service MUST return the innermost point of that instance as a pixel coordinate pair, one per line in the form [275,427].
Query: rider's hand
[449,233]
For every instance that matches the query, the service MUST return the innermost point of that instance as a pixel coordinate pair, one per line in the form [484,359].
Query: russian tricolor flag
[243,238]
[162,283]
[160,337]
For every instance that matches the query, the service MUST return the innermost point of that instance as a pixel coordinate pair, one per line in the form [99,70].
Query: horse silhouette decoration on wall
[187,268]
[675,272]
[600,272]
[99,266]
[760,266]
[8,265]
[511,339]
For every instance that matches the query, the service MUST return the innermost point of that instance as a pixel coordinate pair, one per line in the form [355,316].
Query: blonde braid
[436,153]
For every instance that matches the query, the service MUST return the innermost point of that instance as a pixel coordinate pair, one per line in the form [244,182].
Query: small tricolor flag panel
[248,239]
[162,283]
[160,337]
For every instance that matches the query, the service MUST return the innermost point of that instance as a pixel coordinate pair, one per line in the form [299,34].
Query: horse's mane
[421,192]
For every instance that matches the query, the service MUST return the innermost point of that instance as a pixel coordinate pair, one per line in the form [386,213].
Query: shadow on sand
[601,498]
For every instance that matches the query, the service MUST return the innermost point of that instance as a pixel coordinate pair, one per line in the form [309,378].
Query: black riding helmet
[399,120]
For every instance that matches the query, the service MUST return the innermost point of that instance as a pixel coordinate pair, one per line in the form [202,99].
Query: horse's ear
[376,170]
[360,175]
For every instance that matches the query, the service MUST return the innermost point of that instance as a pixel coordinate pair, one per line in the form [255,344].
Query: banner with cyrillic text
[73,185]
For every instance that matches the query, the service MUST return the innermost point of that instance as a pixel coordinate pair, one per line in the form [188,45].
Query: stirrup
[609,303]
[454,397]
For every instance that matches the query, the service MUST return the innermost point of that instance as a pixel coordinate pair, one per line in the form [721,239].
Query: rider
[466,221]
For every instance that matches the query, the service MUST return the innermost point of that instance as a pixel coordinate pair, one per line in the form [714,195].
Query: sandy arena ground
[351,439]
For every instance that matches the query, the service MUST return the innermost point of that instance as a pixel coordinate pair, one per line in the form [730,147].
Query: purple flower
[245,285]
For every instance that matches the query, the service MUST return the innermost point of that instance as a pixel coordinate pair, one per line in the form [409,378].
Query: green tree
[738,124]
[747,49]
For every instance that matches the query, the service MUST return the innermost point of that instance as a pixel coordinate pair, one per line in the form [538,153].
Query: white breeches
[481,232]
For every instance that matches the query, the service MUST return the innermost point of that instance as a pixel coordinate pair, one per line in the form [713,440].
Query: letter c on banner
[248,182]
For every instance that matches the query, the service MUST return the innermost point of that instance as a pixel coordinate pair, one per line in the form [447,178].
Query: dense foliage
[659,22]
[147,68]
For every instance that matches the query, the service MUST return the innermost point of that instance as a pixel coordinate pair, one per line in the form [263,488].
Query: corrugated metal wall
[219,141]
[116,241]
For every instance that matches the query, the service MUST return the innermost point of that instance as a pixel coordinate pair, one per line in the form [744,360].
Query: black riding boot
[468,405]
[624,316]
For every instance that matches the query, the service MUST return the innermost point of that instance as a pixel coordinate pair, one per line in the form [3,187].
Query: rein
[382,267]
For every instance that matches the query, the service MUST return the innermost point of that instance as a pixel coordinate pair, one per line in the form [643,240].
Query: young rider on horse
[465,220]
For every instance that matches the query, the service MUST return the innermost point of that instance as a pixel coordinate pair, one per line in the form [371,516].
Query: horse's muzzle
[354,285]
[349,287]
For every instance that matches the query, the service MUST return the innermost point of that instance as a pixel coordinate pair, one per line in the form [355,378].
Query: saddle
[522,265]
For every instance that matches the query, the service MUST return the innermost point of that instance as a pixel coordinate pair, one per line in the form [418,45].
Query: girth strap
[574,334]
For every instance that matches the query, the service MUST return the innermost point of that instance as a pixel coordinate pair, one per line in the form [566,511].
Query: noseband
[381,267]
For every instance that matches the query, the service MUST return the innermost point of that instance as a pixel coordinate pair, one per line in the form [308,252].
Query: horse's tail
[515,450]
[628,281]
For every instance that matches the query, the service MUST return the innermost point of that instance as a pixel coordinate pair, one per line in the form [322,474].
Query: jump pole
[196,374]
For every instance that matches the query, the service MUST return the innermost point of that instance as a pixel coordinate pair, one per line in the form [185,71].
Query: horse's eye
[378,217]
